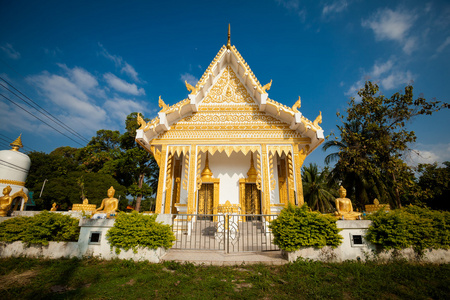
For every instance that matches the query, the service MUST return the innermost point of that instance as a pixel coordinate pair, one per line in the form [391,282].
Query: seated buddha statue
[6,200]
[344,206]
[109,205]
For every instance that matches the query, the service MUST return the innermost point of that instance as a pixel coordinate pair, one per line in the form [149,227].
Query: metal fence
[227,232]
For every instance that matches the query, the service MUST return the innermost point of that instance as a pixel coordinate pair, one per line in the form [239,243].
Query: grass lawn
[22,278]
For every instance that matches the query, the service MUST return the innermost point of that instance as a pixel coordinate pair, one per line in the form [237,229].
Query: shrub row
[419,228]
[298,227]
[40,229]
[133,230]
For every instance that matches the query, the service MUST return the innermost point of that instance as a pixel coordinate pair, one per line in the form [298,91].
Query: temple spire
[229,37]
[17,144]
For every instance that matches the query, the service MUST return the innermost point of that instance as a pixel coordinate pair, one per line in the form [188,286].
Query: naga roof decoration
[227,81]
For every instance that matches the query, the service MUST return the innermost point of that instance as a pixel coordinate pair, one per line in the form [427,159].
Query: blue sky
[90,63]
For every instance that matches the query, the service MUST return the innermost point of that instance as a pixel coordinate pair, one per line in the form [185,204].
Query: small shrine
[229,143]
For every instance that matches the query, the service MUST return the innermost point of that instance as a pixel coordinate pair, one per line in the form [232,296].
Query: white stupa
[14,167]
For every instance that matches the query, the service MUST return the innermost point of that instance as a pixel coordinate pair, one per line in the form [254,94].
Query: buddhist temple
[228,142]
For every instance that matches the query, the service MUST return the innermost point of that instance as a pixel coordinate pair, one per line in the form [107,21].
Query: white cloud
[334,7]
[130,71]
[123,86]
[10,51]
[293,6]
[428,154]
[393,25]
[120,63]
[386,74]
[191,79]
[119,108]
[443,45]
[81,78]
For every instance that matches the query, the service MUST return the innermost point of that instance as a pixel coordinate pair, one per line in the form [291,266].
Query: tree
[316,191]
[134,167]
[374,152]
[434,181]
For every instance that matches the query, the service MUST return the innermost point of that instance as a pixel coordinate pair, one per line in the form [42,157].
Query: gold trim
[228,149]
[13,182]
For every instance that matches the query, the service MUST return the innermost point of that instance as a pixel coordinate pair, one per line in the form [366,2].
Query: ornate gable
[229,105]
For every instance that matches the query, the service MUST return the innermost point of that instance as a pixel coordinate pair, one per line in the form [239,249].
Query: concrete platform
[219,258]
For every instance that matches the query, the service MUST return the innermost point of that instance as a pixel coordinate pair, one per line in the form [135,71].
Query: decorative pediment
[228,102]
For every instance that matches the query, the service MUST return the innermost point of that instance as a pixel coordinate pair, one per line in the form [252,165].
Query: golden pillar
[299,158]
[191,182]
[265,179]
[169,181]
[162,167]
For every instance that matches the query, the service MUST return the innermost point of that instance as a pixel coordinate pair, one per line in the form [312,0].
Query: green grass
[22,278]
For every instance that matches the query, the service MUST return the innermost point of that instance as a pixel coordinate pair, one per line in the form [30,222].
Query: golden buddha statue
[6,200]
[109,205]
[53,207]
[344,206]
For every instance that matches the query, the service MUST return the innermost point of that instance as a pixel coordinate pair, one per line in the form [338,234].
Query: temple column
[299,158]
[290,179]
[192,188]
[169,180]
[162,174]
[265,179]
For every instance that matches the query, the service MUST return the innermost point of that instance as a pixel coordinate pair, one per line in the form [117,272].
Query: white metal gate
[227,232]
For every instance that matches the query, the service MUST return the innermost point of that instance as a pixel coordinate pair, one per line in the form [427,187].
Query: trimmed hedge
[40,229]
[298,227]
[419,228]
[133,230]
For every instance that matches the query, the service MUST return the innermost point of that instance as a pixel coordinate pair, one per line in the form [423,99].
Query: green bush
[40,229]
[133,230]
[419,228]
[297,227]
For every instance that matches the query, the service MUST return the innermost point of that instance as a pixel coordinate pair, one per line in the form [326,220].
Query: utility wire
[12,166]
[8,140]
[47,114]
[41,120]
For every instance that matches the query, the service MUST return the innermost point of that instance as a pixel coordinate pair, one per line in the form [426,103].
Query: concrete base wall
[84,247]
[348,250]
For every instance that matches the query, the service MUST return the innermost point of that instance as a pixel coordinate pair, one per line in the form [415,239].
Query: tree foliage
[109,159]
[434,182]
[373,140]
[317,191]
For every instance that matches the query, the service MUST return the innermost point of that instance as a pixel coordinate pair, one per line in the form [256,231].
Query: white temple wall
[229,170]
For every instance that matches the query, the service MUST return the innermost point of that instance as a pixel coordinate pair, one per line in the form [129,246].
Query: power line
[12,166]
[41,120]
[8,140]
[47,114]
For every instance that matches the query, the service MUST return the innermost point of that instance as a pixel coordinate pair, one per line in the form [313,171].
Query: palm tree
[316,191]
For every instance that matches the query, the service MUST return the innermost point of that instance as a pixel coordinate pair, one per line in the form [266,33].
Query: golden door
[206,198]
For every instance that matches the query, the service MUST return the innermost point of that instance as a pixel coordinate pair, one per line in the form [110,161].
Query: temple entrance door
[206,200]
[252,199]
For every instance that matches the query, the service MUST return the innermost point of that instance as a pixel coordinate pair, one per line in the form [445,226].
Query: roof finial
[229,36]
[17,144]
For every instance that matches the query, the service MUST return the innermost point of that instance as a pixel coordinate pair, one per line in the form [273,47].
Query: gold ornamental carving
[228,149]
[228,89]
[13,182]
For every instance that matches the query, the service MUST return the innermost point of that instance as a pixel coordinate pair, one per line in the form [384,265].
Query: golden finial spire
[229,37]
[206,173]
[17,144]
